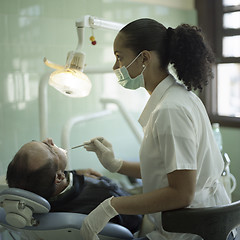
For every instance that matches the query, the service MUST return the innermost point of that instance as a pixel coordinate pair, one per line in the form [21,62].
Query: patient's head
[38,167]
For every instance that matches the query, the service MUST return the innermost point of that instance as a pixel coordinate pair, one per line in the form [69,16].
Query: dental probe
[81,145]
[86,143]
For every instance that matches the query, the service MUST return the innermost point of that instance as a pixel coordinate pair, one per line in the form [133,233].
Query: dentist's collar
[155,98]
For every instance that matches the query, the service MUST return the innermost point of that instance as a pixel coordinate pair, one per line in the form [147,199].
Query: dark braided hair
[184,47]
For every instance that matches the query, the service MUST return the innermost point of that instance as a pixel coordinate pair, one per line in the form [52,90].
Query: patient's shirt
[86,193]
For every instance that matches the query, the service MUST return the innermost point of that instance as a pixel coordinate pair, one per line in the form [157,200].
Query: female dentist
[180,164]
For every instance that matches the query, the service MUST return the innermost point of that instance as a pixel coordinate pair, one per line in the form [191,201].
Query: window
[220,22]
[228,89]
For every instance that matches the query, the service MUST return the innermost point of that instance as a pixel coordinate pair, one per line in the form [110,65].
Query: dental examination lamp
[70,79]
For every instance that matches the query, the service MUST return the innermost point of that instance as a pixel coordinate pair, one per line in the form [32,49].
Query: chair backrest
[27,214]
[211,223]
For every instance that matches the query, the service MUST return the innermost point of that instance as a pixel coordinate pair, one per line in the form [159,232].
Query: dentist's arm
[105,154]
[178,194]
[131,169]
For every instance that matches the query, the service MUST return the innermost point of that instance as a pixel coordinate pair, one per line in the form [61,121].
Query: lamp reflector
[71,82]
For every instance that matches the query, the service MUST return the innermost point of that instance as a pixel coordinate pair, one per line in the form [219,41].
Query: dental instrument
[86,143]
[81,145]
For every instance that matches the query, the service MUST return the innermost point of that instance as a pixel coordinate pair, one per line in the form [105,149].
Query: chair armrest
[209,223]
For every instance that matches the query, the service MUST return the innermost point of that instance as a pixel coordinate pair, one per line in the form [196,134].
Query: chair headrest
[19,206]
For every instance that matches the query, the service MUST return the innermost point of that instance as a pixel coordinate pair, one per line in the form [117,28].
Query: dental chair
[212,223]
[27,215]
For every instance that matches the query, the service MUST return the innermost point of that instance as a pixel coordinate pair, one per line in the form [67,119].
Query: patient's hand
[89,173]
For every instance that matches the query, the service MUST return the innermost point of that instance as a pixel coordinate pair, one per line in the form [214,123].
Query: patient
[39,167]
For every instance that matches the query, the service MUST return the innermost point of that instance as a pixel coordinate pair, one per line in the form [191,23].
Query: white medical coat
[178,135]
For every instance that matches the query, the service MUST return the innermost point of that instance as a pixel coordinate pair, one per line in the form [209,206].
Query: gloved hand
[105,154]
[97,219]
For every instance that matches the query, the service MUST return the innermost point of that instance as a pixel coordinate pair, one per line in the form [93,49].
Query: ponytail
[191,56]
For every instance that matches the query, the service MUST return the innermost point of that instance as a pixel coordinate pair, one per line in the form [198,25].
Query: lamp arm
[80,33]
[93,22]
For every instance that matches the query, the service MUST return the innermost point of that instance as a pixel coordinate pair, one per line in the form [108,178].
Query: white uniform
[178,135]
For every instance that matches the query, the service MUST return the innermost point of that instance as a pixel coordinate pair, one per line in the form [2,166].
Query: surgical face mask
[126,81]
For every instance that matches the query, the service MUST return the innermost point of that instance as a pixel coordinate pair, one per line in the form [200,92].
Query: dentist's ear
[60,176]
[146,57]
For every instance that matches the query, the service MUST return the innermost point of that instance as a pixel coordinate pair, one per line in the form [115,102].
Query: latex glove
[105,154]
[97,219]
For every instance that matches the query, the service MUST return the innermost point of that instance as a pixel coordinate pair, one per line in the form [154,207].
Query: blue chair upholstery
[39,223]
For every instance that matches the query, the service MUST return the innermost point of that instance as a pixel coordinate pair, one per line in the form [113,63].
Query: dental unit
[70,79]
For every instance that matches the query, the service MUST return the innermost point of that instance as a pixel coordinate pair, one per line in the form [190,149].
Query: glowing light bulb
[71,82]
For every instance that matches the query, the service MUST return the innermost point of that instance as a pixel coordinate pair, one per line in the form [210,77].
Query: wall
[231,140]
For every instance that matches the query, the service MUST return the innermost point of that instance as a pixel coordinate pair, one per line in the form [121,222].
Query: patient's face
[40,152]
